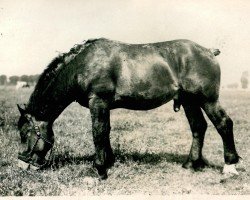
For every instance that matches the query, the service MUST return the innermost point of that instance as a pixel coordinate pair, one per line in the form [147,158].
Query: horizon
[33,32]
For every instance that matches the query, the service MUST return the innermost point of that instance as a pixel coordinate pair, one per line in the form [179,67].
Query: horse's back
[149,74]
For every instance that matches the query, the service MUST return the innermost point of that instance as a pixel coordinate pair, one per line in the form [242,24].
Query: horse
[102,74]
[22,84]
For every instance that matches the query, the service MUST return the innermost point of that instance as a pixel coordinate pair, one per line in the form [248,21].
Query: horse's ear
[21,110]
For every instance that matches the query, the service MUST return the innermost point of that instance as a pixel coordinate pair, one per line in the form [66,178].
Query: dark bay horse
[102,74]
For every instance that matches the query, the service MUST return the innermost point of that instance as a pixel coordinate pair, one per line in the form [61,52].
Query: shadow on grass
[61,160]
[149,158]
[156,158]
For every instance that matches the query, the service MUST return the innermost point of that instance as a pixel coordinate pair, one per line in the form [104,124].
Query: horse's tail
[216,52]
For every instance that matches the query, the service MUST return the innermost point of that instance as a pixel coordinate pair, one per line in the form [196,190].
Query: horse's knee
[200,127]
[225,125]
[229,123]
[218,116]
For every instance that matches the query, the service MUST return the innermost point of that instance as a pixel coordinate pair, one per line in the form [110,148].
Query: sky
[33,32]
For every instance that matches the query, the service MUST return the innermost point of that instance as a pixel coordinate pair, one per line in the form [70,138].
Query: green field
[150,147]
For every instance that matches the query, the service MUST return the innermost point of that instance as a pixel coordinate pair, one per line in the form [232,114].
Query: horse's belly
[143,100]
[144,94]
[145,83]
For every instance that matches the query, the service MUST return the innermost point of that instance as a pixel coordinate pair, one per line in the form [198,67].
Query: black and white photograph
[134,98]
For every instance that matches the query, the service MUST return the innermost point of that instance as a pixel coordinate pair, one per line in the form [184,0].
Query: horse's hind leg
[100,115]
[224,126]
[198,127]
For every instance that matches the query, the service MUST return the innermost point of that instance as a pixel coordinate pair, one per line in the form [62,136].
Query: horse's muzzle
[26,162]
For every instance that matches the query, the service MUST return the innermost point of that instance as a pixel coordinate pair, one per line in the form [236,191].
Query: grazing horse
[102,74]
[21,84]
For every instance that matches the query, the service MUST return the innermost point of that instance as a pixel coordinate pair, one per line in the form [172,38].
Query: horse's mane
[54,67]
[61,60]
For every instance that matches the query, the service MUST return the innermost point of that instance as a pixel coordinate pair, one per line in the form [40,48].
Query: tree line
[12,80]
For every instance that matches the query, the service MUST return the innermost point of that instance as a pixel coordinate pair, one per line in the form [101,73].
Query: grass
[150,147]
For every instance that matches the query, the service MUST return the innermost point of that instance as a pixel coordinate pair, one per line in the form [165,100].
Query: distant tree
[244,80]
[24,78]
[3,79]
[34,78]
[31,79]
[13,80]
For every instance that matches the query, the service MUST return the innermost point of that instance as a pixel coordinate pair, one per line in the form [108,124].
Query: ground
[150,147]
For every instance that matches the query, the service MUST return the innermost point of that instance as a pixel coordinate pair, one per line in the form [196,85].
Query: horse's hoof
[102,171]
[103,176]
[196,165]
[110,162]
[230,169]
[109,165]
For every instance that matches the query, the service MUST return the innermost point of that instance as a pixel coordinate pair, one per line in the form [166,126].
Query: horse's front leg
[100,115]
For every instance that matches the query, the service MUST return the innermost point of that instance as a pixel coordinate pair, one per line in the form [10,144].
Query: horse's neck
[49,105]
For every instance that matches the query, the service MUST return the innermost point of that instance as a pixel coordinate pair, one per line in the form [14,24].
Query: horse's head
[38,136]
[23,124]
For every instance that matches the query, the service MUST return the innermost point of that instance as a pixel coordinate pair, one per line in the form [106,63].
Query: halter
[39,136]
